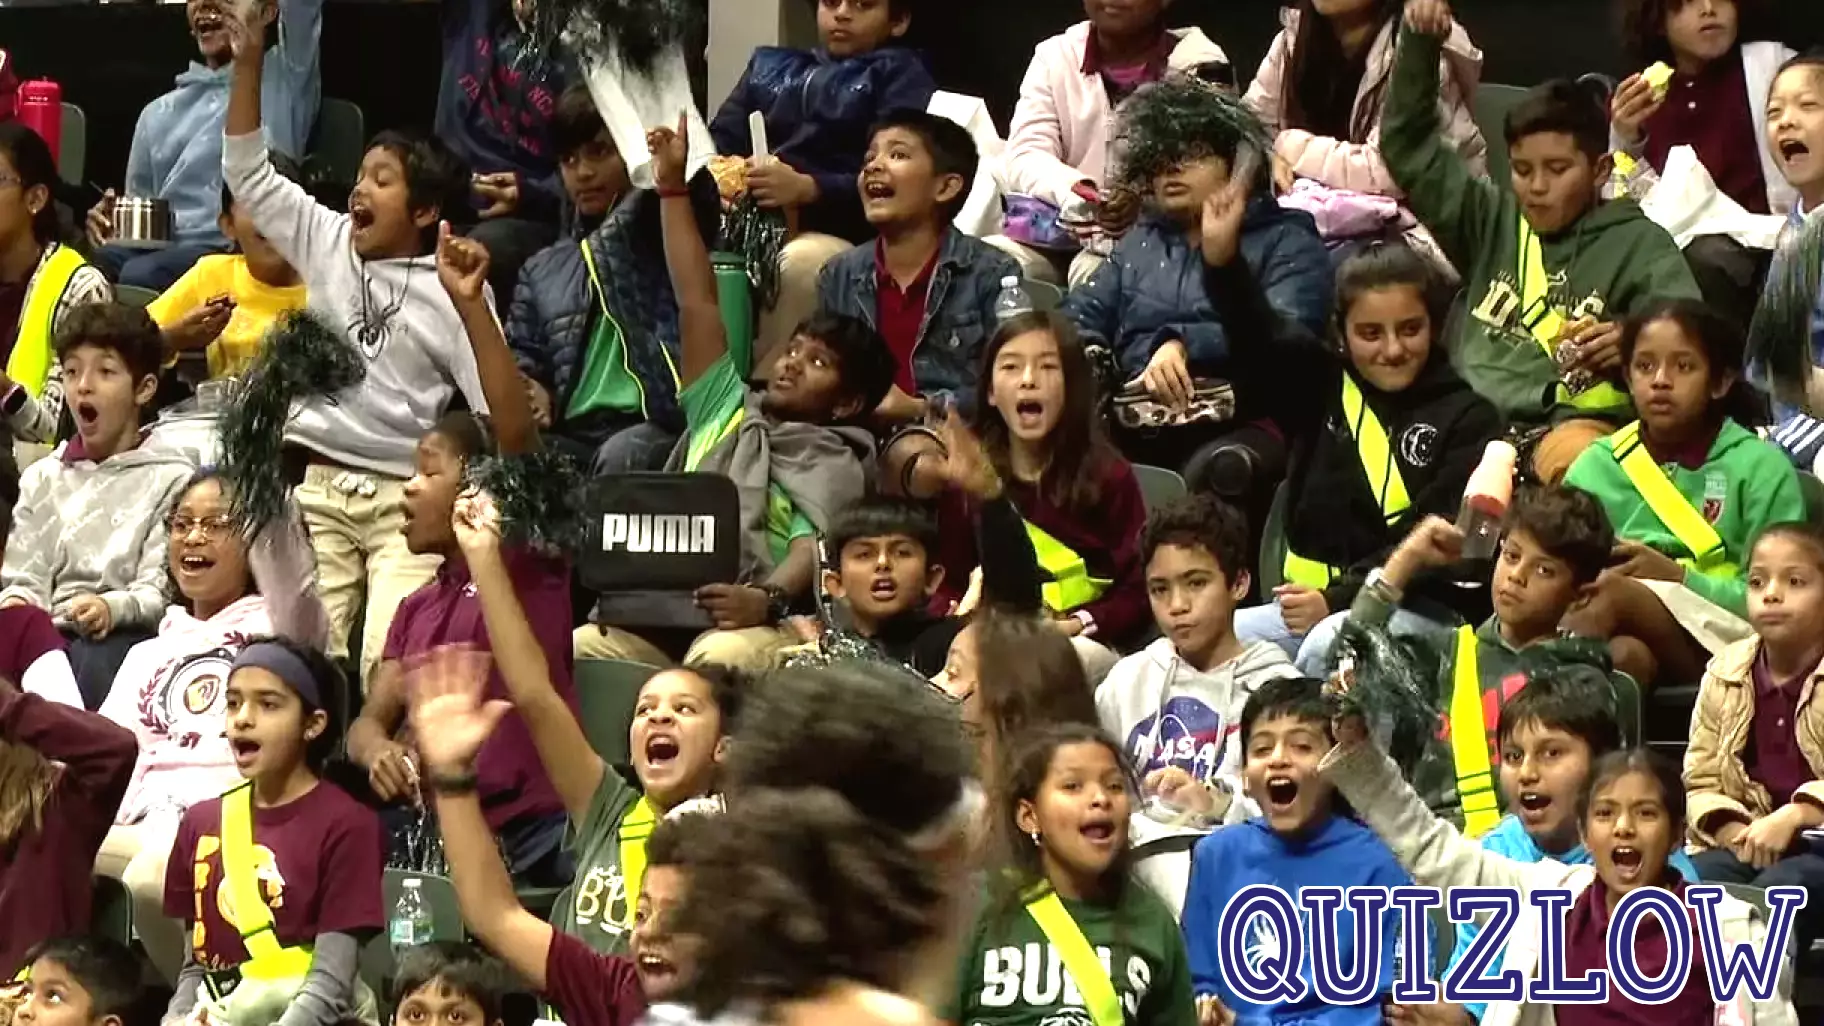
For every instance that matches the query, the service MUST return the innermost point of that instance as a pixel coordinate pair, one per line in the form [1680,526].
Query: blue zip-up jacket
[495,103]
[549,324]
[1509,838]
[1151,290]
[818,112]
[177,144]
[959,309]
[1340,853]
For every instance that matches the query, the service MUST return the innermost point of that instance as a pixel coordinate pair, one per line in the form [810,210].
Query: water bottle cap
[1010,282]
[412,882]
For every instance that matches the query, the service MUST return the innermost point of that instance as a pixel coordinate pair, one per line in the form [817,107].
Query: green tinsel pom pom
[302,358]
[538,496]
[1392,686]
[1780,357]
[758,235]
[1176,119]
[639,31]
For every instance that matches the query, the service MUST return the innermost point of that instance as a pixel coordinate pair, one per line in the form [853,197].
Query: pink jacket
[1355,163]
[1060,130]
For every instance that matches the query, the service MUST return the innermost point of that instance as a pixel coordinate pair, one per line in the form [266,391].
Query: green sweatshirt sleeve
[1657,270]
[1459,208]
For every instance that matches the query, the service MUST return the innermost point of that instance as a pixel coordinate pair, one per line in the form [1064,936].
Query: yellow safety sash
[266,959]
[636,826]
[1546,322]
[1469,741]
[1669,504]
[1378,466]
[30,362]
[1071,585]
[1080,960]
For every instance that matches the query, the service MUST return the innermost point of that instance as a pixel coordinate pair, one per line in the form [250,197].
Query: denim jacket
[959,309]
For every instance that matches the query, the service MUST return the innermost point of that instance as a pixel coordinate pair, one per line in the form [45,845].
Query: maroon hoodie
[45,873]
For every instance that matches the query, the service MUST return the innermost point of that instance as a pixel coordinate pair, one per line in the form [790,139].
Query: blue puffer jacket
[959,309]
[554,309]
[1151,290]
[818,112]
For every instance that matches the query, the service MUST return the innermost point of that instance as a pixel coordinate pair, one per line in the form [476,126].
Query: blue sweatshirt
[1509,838]
[177,144]
[1342,853]
[495,103]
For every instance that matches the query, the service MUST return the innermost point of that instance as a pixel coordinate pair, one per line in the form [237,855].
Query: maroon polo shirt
[900,313]
[1586,930]
[592,989]
[1773,758]
[513,784]
[1711,113]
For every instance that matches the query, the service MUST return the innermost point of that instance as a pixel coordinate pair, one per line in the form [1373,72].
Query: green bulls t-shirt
[1011,976]
[595,909]
[714,407]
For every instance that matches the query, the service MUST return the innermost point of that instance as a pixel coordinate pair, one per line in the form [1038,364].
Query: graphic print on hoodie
[1166,713]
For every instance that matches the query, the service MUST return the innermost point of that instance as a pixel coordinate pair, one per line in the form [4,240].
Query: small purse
[1212,402]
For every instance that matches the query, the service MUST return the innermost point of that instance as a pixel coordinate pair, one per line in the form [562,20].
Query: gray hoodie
[87,528]
[1167,713]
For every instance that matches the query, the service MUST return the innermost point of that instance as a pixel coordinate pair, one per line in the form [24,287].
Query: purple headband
[284,664]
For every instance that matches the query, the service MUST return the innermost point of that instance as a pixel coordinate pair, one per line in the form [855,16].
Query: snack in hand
[1659,76]
[730,174]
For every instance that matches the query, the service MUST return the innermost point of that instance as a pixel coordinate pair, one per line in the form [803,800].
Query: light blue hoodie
[177,144]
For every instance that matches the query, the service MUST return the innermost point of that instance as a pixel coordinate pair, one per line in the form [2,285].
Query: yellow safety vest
[30,362]
[1469,741]
[1071,585]
[636,826]
[266,959]
[1548,323]
[1080,959]
[1708,556]
[1378,465]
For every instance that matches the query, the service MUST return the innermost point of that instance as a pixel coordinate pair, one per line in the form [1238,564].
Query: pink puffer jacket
[1355,163]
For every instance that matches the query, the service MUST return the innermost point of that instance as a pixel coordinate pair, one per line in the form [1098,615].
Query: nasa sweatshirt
[1165,712]
[1339,852]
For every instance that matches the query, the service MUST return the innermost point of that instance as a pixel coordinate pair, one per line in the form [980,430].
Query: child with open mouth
[1632,820]
[1064,811]
[1303,837]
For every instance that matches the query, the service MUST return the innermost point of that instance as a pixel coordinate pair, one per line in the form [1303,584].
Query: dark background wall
[112,60]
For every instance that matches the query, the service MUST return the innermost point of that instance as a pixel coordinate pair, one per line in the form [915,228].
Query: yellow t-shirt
[256,306]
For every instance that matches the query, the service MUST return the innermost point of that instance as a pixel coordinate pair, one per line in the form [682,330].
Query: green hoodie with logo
[1607,265]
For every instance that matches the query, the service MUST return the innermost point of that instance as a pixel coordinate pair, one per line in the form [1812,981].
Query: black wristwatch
[778,603]
[13,401]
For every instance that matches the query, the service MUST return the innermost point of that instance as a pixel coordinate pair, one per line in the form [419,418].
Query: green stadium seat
[607,690]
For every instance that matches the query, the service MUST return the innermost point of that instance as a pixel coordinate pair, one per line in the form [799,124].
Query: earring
[1035,838]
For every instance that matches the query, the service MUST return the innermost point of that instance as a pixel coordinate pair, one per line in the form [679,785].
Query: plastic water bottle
[1491,487]
[411,923]
[1012,302]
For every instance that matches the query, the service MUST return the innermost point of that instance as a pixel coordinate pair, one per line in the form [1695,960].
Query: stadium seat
[1044,295]
[377,964]
[607,690]
[134,295]
[111,910]
[73,149]
[1158,485]
[337,144]
[1492,104]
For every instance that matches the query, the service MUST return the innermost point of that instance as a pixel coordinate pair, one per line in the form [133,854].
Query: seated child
[1383,438]
[370,272]
[169,690]
[449,981]
[1303,837]
[1558,726]
[1555,547]
[677,738]
[177,143]
[64,773]
[819,107]
[1632,817]
[33,653]
[89,536]
[594,321]
[226,302]
[86,981]
[1751,774]
[1064,811]
[1323,84]
[926,287]
[795,449]
[1058,141]
[1545,353]
[309,893]
[1152,306]
[1687,486]
[1174,704]
[1038,424]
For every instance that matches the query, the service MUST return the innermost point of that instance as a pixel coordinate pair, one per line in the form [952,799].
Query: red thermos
[41,108]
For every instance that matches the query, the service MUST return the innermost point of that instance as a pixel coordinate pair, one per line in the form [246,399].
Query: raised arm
[704,339]
[97,755]
[462,267]
[573,766]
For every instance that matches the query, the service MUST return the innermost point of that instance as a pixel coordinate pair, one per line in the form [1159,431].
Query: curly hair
[1028,767]
[1177,119]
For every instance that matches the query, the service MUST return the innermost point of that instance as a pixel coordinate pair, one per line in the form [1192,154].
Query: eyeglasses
[212,527]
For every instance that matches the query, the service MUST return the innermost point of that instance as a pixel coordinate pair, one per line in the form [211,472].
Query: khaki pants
[136,856]
[360,546]
[1561,446]
[800,262]
[1040,267]
[756,649]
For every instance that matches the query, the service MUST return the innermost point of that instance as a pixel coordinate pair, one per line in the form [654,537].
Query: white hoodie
[1167,713]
